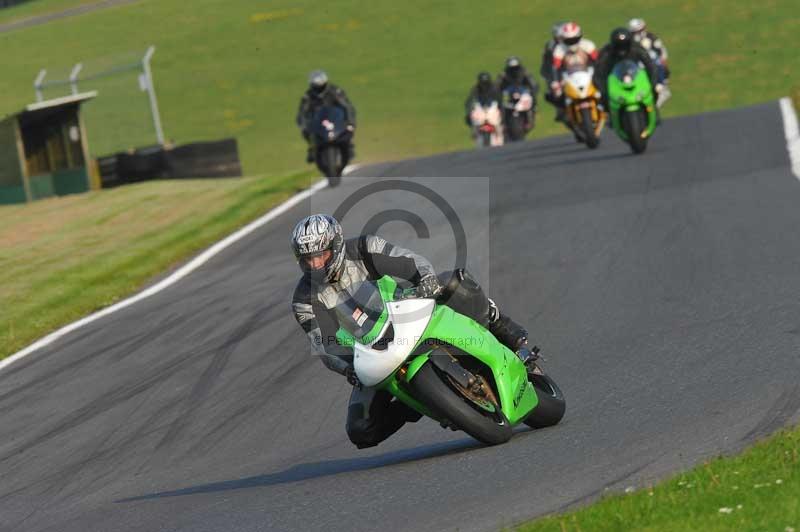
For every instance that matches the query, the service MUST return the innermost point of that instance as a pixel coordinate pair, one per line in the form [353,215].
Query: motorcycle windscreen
[362,312]
[626,71]
[329,122]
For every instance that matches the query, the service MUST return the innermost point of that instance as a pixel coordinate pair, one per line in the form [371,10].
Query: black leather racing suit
[373,415]
[312,100]
[609,58]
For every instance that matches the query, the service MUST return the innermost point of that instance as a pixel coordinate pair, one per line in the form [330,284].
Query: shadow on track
[326,468]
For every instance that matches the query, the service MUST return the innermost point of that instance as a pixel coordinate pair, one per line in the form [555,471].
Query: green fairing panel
[622,96]
[517,396]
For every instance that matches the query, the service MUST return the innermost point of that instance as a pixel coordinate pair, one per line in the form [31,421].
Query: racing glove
[352,378]
[429,287]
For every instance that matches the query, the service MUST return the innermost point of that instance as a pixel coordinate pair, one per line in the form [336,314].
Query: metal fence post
[37,85]
[152,93]
[73,77]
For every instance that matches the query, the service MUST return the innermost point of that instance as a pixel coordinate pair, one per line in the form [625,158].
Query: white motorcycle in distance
[487,124]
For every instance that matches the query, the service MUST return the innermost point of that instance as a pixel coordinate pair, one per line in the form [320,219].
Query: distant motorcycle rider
[658,52]
[652,43]
[573,50]
[514,74]
[334,270]
[546,70]
[620,48]
[322,93]
[484,92]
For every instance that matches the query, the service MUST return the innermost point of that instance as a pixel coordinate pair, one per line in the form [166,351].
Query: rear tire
[634,123]
[430,388]
[552,405]
[587,125]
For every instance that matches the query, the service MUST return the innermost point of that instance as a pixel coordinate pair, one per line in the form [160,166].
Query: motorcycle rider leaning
[620,48]
[516,74]
[334,269]
[322,93]
[484,92]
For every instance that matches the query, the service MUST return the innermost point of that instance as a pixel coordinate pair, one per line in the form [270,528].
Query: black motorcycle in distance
[331,139]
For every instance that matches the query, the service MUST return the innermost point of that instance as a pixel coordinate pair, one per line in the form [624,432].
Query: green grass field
[757,490]
[239,67]
[63,258]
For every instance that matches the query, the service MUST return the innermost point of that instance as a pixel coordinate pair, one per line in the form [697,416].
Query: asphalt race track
[664,290]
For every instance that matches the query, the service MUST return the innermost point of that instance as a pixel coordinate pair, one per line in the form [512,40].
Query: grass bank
[63,258]
[238,68]
[757,490]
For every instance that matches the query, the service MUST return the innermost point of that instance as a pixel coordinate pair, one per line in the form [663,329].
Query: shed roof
[52,105]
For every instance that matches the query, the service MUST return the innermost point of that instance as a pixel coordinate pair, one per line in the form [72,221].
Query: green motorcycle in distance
[632,105]
[443,364]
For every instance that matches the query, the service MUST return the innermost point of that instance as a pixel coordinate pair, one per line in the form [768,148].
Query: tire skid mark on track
[203,386]
[125,346]
[107,401]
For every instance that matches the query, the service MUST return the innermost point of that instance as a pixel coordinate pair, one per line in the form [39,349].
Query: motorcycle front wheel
[329,163]
[552,404]
[587,125]
[634,124]
[450,404]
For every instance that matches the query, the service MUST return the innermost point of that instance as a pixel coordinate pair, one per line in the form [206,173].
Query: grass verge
[757,490]
[63,258]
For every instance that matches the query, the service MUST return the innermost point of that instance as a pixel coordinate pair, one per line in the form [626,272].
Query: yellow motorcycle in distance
[582,106]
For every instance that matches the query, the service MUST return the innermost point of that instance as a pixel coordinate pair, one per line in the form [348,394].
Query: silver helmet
[312,237]
[636,25]
[318,80]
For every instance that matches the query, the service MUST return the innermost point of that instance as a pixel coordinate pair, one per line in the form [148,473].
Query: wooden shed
[44,151]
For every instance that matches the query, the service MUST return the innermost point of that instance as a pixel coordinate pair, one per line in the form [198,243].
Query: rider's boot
[507,331]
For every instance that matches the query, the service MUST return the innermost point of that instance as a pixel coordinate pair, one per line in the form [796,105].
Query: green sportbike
[444,365]
[632,105]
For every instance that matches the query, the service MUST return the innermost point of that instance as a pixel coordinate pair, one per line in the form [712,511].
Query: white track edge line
[176,276]
[792,132]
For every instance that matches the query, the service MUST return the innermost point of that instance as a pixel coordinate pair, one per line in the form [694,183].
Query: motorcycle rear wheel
[448,404]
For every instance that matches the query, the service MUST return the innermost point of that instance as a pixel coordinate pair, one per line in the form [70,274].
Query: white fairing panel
[581,80]
[409,319]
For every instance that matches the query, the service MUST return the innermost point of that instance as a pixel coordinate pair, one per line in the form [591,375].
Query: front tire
[634,124]
[444,401]
[329,163]
[552,404]
[587,124]
[515,128]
